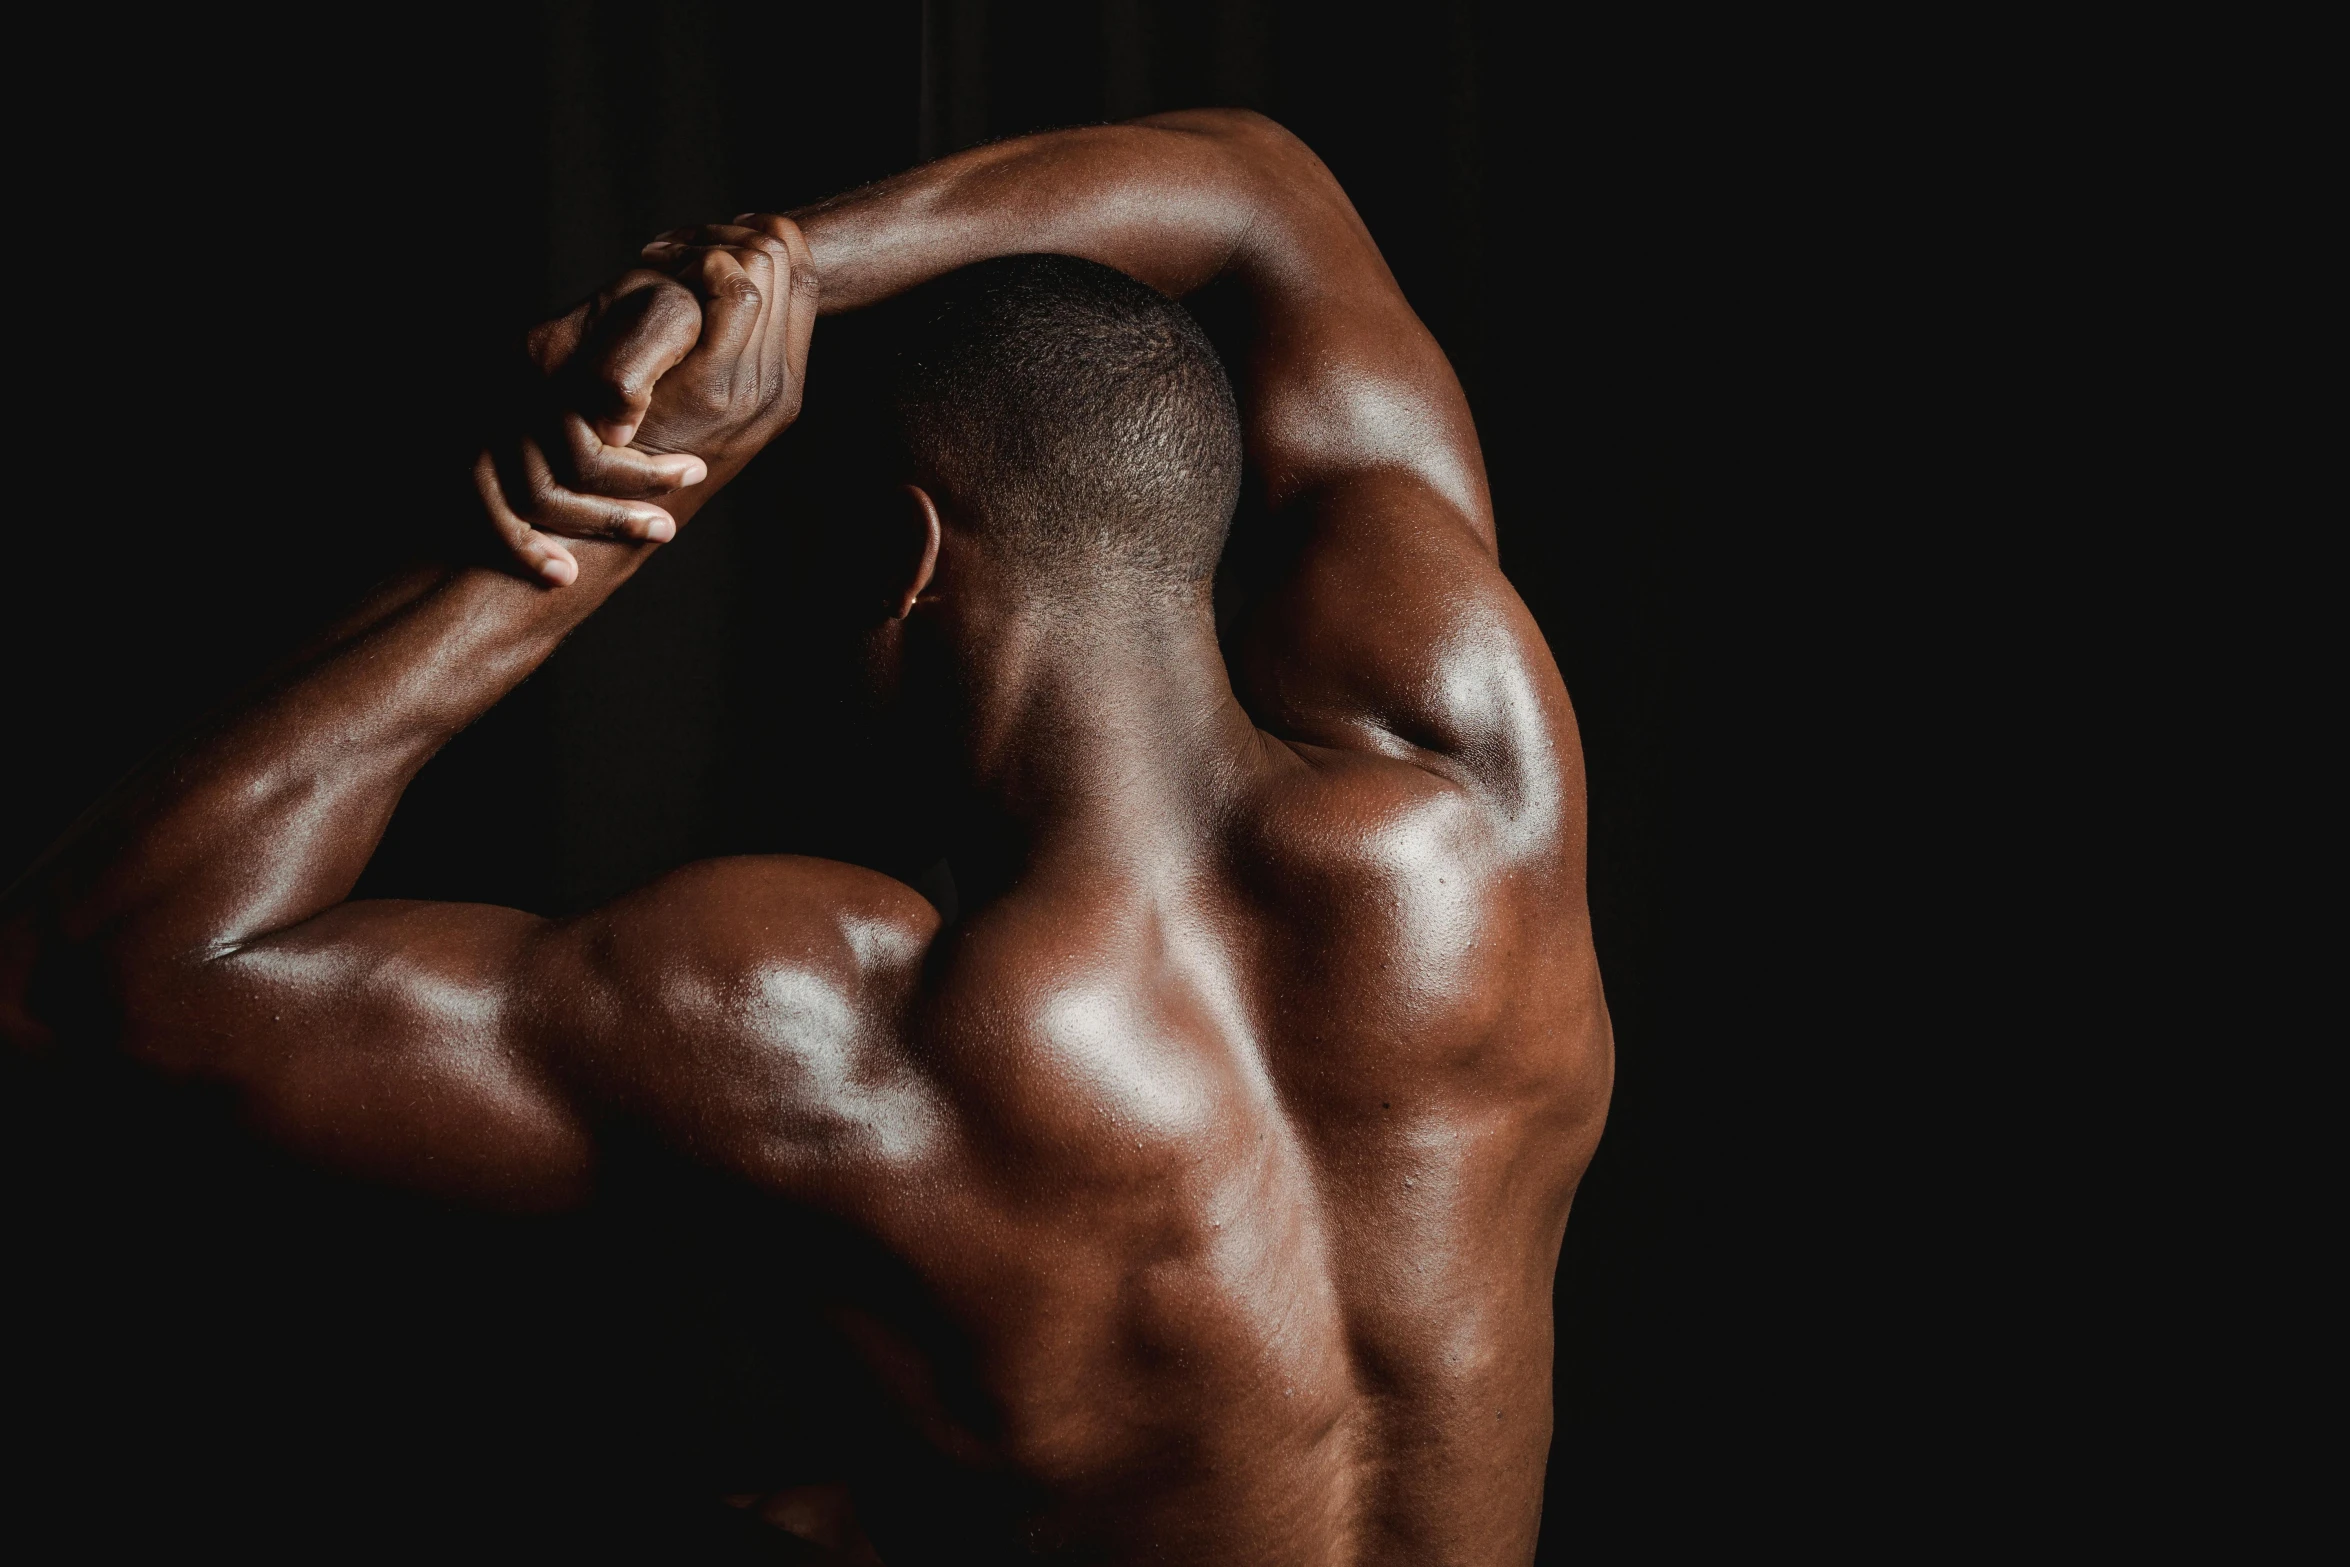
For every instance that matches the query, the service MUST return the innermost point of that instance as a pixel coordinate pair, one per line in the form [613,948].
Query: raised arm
[1389,626]
[197,920]
[1341,376]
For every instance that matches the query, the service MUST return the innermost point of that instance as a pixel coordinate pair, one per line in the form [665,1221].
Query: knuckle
[671,305]
[620,375]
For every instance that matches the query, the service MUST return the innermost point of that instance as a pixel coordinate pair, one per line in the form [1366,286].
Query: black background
[1683,278]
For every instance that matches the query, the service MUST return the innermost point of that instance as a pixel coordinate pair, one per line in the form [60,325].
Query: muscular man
[1228,1133]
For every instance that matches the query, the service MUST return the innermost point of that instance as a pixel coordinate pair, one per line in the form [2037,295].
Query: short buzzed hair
[1078,420]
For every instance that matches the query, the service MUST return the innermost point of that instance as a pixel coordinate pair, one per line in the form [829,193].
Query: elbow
[1256,141]
[1241,127]
[1265,145]
[1279,174]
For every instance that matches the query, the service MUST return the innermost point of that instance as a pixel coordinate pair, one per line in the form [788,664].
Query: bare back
[1233,1177]
[1266,1159]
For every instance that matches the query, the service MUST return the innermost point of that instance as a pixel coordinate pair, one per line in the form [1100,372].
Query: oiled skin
[1230,1133]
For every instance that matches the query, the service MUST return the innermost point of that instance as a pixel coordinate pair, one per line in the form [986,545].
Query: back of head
[1075,419]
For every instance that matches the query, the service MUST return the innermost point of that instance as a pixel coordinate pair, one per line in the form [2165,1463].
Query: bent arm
[1341,377]
[1386,624]
[196,920]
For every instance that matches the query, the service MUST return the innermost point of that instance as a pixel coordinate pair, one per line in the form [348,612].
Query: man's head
[1073,421]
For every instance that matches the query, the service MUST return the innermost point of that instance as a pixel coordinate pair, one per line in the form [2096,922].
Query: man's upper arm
[734,1008]
[399,1041]
[1389,625]
[1341,378]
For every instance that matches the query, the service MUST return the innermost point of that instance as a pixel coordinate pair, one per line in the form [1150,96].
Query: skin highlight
[1228,1134]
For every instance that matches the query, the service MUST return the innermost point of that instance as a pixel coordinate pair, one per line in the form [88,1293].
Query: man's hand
[570,472]
[741,386]
[665,380]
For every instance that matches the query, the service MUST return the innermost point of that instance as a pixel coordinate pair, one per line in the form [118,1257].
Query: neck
[1105,730]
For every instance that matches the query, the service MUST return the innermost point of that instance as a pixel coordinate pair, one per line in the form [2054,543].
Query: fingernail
[695,472]
[622,434]
[744,217]
[661,529]
[558,570]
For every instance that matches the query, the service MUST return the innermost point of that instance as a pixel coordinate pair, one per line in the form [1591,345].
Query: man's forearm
[1168,200]
[269,814]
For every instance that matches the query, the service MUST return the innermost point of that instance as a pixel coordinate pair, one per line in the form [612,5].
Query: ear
[921,532]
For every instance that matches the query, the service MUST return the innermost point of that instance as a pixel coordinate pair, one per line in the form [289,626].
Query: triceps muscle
[398,1042]
[1385,621]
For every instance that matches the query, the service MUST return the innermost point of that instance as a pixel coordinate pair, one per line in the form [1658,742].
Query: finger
[767,265]
[555,509]
[803,296]
[551,343]
[575,516]
[587,463]
[732,303]
[791,327]
[762,257]
[738,235]
[731,313]
[762,366]
[773,224]
[643,332]
[541,556]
